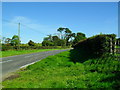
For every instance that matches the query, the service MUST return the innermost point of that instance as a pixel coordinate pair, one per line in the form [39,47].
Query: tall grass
[59,71]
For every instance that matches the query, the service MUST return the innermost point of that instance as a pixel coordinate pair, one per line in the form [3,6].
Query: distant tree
[46,39]
[49,38]
[31,43]
[61,42]
[68,35]
[15,40]
[8,40]
[79,36]
[61,30]
[55,40]
[47,43]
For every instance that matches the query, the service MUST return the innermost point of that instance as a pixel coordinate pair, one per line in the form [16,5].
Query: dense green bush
[5,47]
[96,45]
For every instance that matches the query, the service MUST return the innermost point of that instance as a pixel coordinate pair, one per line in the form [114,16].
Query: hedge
[96,45]
[5,47]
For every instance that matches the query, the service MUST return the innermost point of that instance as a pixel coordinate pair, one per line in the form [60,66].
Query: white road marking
[29,64]
[6,61]
[28,56]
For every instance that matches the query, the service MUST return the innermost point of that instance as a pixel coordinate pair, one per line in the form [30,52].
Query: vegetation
[19,52]
[91,64]
[78,37]
[31,43]
[15,41]
[97,45]
[118,42]
[6,48]
[59,71]
[65,38]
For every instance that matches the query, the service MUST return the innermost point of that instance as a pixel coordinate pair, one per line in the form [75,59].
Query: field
[19,52]
[59,71]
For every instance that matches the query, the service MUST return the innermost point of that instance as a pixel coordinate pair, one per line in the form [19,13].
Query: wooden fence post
[115,47]
[111,45]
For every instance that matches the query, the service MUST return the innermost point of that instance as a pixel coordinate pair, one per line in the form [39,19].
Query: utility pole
[19,34]
[19,30]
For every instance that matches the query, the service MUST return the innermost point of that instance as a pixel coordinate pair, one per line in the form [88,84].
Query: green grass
[59,71]
[15,52]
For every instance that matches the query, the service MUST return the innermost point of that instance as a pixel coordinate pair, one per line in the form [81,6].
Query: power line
[32,29]
[24,26]
[9,21]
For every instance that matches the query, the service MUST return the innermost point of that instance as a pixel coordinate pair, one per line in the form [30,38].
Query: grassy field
[14,52]
[59,71]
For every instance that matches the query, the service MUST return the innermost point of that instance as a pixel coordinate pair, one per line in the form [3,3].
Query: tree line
[65,38]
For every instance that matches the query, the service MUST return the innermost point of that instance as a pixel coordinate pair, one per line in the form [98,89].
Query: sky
[39,19]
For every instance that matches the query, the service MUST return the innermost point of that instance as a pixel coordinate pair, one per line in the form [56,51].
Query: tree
[15,40]
[55,40]
[78,37]
[61,30]
[68,35]
[47,43]
[61,42]
[8,40]
[49,38]
[31,43]
[46,39]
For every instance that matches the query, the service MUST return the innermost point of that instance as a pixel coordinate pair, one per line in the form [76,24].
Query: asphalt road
[13,63]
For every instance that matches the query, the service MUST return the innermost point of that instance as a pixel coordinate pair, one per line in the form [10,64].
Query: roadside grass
[20,52]
[58,71]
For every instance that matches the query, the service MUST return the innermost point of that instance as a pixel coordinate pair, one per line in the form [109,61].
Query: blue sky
[45,18]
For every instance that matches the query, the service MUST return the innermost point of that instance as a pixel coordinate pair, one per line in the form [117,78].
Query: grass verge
[20,52]
[59,71]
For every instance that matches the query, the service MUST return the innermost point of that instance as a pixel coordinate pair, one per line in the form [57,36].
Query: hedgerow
[5,47]
[97,45]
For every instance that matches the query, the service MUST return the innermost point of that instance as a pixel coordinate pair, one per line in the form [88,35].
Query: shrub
[96,45]
[5,47]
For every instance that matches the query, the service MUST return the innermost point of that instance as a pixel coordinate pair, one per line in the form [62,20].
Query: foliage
[96,45]
[5,47]
[8,40]
[31,43]
[47,43]
[65,39]
[59,72]
[78,37]
[118,42]
[15,40]
[61,30]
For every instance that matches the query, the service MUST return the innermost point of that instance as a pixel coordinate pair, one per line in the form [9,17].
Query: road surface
[13,63]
